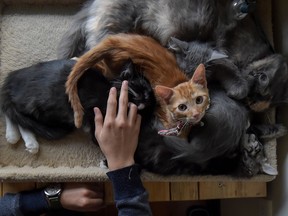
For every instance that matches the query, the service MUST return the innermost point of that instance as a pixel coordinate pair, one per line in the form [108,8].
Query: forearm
[130,196]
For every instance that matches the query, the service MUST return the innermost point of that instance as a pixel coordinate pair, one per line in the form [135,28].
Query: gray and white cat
[183,19]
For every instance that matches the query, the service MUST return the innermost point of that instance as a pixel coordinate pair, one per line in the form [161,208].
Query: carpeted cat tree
[30,32]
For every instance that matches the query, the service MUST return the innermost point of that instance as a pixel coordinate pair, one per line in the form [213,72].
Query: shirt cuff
[33,202]
[126,182]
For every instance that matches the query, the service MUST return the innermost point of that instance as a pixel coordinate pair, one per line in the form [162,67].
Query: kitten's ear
[199,76]
[268,169]
[164,92]
[175,45]
[217,55]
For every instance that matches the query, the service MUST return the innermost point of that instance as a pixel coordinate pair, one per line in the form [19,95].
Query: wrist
[115,165]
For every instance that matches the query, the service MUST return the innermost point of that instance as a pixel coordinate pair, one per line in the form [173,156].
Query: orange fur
[158,65]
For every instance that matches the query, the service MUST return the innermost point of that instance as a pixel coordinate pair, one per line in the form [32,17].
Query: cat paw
[237,91]
[12,138]
[32,147]
[103,164]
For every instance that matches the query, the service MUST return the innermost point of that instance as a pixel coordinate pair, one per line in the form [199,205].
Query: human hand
[82,197]
[117,135]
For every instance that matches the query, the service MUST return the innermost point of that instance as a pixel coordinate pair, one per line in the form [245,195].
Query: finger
[138,123]
[111,104]
[123,100]
[98,119]
[132,114]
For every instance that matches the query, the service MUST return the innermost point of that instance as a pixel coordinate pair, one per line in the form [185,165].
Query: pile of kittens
[197,71]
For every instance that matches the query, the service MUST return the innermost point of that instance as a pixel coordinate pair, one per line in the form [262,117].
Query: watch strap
[54,202]
[53,193]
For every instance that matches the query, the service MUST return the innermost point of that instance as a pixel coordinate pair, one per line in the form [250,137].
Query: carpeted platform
[30,32]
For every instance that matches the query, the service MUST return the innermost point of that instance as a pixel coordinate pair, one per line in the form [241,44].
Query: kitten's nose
[196,116]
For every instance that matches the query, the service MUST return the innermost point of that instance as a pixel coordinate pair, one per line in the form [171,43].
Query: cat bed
[30,32]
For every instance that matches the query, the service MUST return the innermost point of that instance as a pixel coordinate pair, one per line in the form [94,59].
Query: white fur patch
[103,165]
[30,141]
[12,132]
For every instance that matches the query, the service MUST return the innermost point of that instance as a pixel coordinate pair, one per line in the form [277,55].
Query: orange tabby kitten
[181,102]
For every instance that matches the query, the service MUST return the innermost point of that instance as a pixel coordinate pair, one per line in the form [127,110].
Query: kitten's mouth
[175,131]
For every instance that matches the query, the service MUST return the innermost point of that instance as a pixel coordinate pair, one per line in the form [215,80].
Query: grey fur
[224,125]
[184,19]
[221,69]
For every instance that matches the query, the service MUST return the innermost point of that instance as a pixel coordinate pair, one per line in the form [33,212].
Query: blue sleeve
[130,196]
[20,204]
[9,205]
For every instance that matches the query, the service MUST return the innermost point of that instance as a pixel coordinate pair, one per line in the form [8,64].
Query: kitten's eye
[263,78]
[182,107]
[199,100]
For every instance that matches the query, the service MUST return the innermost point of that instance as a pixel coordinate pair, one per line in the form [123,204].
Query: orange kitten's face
[188,103]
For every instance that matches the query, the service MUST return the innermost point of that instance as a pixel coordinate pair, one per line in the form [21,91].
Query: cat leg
[30,140]
[12,131]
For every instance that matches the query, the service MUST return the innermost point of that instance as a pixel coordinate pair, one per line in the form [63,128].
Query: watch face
[53,190]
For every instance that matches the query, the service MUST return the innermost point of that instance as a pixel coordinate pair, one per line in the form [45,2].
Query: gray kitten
[220,69]
[265,71]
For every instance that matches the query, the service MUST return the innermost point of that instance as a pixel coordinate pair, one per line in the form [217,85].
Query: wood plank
[158,191]
[223,190]
[181,191]
[1,189]
[109,195]
[16,187]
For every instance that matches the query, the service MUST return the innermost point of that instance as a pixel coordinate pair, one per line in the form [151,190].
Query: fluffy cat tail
[83,64]
[73,43]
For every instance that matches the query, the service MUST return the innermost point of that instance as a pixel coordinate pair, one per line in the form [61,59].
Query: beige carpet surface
[30,32]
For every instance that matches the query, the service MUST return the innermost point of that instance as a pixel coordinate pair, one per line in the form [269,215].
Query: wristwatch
[53,193]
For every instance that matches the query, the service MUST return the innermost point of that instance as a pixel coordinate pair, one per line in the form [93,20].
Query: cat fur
[184,19]
[33,100]
[157,64]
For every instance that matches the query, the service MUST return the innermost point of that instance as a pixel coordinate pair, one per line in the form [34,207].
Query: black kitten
[33,100]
